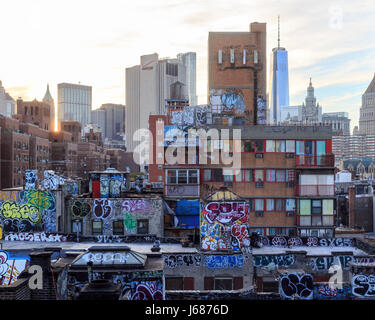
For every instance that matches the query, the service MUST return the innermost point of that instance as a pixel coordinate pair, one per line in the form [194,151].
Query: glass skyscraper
[278,96]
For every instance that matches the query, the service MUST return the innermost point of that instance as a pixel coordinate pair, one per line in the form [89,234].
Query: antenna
[278,29]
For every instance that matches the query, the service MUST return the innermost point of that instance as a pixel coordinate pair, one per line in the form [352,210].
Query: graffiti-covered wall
[29,211]
[11,267]
[134,215]
[224,226]
[200,266]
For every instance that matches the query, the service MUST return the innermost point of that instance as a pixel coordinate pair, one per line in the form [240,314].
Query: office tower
[74,103]
[339,121]
[279,83]
[111,119]
[189,60]
[237,75]
[7,103]
[367,112]
[148,87]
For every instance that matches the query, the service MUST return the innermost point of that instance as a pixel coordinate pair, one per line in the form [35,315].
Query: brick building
[35,112]
[286,175]
[237,69]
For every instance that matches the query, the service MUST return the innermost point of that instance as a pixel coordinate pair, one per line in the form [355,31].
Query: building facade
[367,112]
[339,121]
[74,102]
[111,119]
[7,103]
[237,74]
[189,59]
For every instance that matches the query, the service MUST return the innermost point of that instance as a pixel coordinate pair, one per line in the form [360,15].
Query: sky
[92,42]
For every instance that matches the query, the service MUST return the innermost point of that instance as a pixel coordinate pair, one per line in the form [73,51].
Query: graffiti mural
[115,186]
[11,267]
[35,237]
[284,241]
[8,195]
[187,260]
[293,285]
[33,211]
[223,261]
[51,180]
[148,290]
[30,179]
[224,226]
[278,261]
[261,110]
[104,186]
[228,100]
[325,292]
[80,209]
[363,285]
[324,263]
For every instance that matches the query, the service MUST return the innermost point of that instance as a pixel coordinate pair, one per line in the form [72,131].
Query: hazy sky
[92,42]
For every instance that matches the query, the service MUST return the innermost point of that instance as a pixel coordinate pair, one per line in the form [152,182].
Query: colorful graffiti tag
[325,292]
[279,261]
[30,179]
[11,267]
[223,226]
[33,211]
[80,209]
[224,261]
[35,237]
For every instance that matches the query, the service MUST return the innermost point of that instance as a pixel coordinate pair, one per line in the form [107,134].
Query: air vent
[289,155]
[259,155]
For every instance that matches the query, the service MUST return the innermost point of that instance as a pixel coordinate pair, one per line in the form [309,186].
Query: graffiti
[140,205]
[35,237]
[295,242]
[30,179]
[223,226]
[279,261]
[279,241]
[124,239]
[8,195]
[177,117]
[174,261]
[150,290]
[104,186]
[261,108]
[11,267]
[51,180]
[130,222]
[226,212]
[33,211]
[323,292]
[240,232]
[80,209]
[293,285]
[230,100]
[102,209]
[224,262]
[363,285]
[284,241]
[203,115]
[26,212]
[115,186]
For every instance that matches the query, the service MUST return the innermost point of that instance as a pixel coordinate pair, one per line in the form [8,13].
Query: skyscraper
[148,86]
[367,113]
[279,83]
[189,60]
[74,102]
[111,119]
[49,100]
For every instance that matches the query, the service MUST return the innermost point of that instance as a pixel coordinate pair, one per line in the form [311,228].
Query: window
[182,176]
[217,175]
[118,227]
[271,286]
[280,205]
[247,175]
[172,176]
[259,175]
[290,146]
[228,177]
[270,204]
[259,205]
[207,175]
[142,226]
[305,207]
[270,145]
[97,227]
[252,145]
[174,283]
[223,284]
[290,204]
[316,207]
[280,175]
[270,175]
[75,224]
[193,176]
[280,145]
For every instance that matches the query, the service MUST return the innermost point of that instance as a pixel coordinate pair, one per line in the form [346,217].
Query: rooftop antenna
[278,29]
